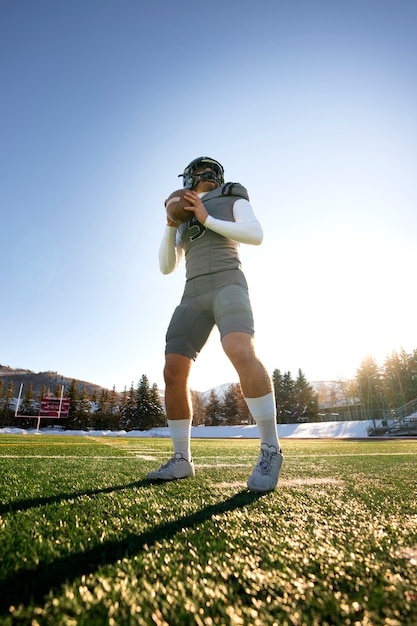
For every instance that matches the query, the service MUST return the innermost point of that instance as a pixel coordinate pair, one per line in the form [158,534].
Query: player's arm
[170,254]
[245,228]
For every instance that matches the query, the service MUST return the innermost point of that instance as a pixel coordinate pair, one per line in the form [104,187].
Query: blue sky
[310,104]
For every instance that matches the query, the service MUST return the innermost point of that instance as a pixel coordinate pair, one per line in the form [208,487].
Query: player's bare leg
[254,379]
[257,390]
[177,392]
[179,413]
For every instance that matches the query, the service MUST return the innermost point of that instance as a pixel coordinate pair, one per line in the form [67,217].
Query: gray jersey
[207,252]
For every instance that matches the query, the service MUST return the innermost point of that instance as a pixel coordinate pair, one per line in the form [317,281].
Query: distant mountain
[42,380]
[220,392]
[51,380]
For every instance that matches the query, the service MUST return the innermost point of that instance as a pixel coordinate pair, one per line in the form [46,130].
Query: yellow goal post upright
[51,407]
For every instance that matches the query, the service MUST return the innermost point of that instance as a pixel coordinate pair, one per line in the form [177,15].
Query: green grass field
[86,540]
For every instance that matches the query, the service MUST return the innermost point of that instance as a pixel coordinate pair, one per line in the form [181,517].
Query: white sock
[180,431]
[263,412]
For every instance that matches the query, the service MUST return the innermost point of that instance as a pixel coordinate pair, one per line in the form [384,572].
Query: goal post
[51,407]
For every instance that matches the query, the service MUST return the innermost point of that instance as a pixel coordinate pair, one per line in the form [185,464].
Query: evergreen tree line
[375,392]
[230,411]
[296,400]
[137,408]
[141,408]
[382,390]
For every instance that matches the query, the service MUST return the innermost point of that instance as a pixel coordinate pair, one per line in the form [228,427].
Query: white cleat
[266,472]
[177,467]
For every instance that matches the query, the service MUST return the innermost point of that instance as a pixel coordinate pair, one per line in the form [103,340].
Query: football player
[216,293]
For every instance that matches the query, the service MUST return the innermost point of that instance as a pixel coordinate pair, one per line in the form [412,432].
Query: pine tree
[370,387]
[294,399]
[6,411]
[235,409]
[394,378]
[284,397]
[114,409]
[100,416]
[143,410]
[157,412]
[231,405]
[214,410]
[147,407]
[72,394]
[27,407]
[412,363]
[127,409]
[278,384]
[244,413]
[305,399]
[399,377]
[198,407]
[84,410]
[42,394]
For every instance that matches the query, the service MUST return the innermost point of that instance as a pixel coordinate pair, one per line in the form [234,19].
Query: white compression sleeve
[245,228]
[169,254]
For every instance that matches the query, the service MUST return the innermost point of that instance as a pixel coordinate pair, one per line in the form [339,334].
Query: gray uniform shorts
[220,299]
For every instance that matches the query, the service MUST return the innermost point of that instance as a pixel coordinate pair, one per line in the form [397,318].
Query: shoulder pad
[234,189]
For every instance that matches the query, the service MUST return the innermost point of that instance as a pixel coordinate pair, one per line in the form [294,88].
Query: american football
[174,206]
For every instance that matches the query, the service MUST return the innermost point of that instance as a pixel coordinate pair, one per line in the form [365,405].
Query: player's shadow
[33,585]
[28,503]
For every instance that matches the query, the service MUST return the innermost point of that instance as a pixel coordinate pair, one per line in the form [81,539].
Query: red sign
[54,407]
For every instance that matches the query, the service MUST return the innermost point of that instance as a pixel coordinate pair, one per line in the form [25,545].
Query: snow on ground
[314,430]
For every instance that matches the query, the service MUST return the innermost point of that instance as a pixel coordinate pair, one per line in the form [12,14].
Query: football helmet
[213,171]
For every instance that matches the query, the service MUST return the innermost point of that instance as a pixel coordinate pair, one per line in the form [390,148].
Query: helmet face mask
[202,168]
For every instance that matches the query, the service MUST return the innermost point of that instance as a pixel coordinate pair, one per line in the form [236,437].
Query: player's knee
[240,355]
[176,370]
[169,373]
